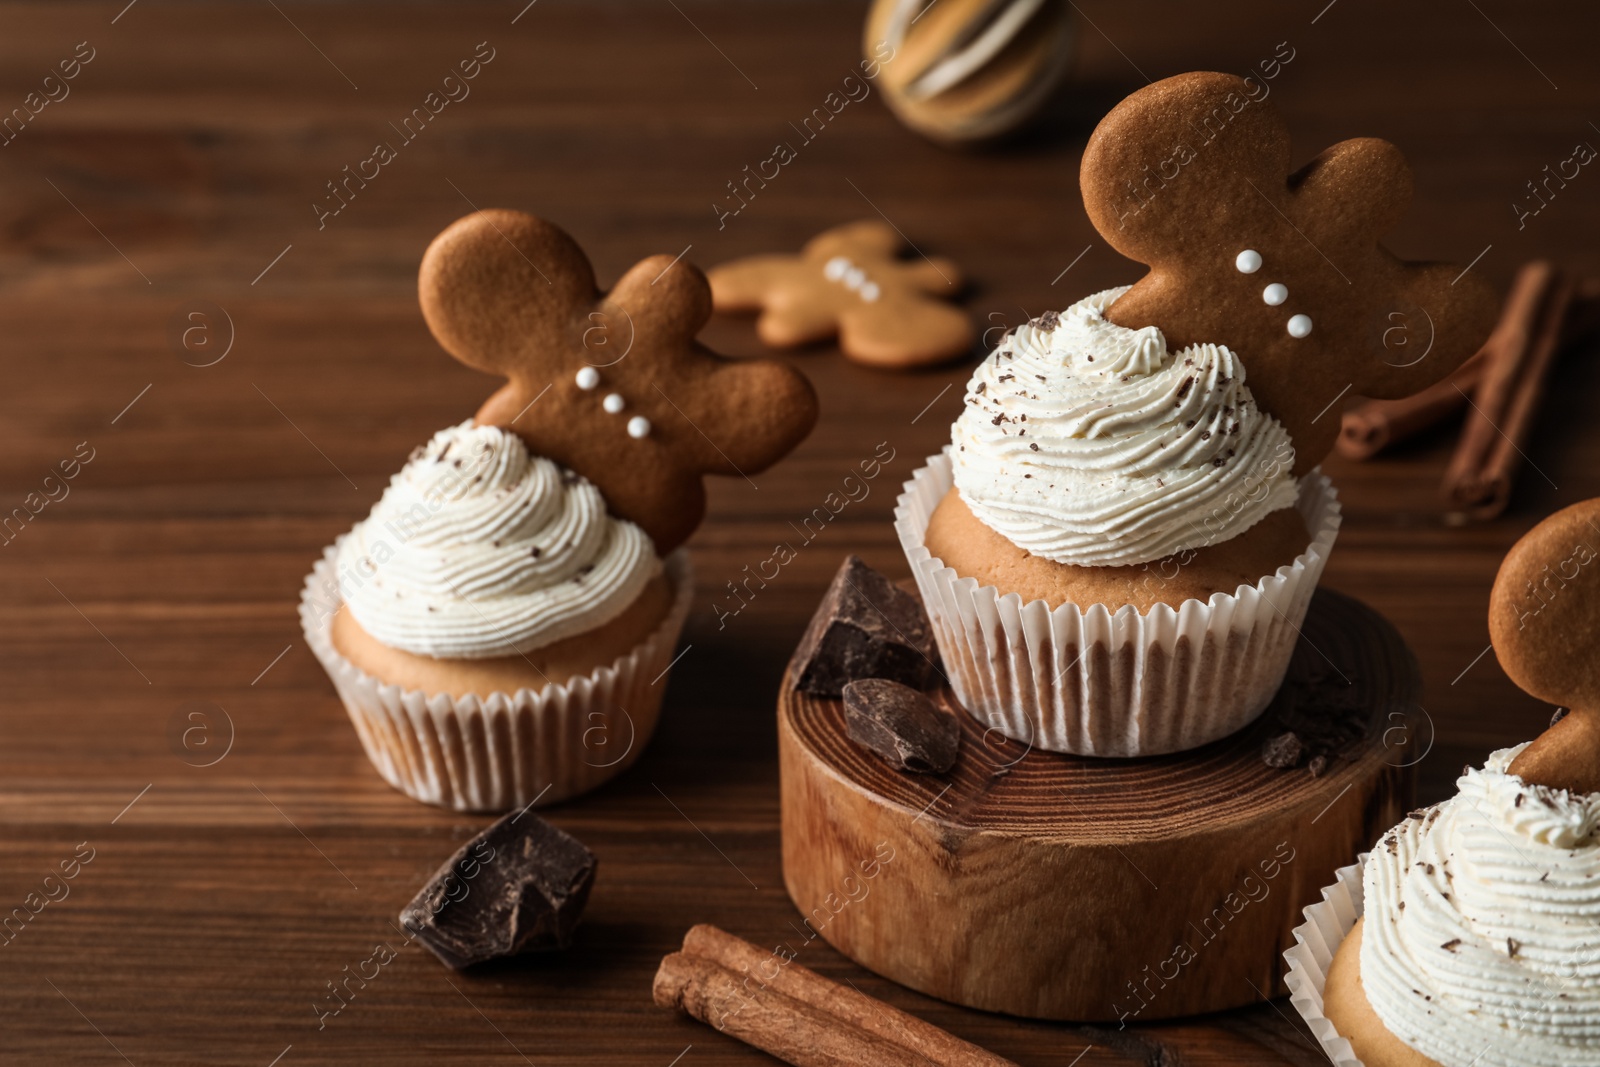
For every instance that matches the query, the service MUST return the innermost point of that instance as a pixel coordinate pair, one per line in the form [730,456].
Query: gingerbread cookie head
[611,385]
[1190,176]
[852,282]
[1544,620]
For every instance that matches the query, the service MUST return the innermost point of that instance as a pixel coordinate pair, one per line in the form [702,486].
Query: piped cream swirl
[480,549]
[1088,443]
[1481,944]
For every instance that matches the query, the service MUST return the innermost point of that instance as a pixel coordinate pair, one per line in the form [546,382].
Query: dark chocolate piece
[1283,751]
[865,627]
[520,886]
[901,725]
[1329,719]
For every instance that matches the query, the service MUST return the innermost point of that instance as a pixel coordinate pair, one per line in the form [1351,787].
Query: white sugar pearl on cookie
[1248,261]
[1275,294]
[1300,326]
[854,277]
[834,269]
[638,426]
[588,378]
[869,292]
[613,403]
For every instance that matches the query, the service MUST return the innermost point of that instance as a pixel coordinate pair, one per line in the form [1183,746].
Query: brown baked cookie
[1190,175]
[851,282]
[973,550]
[1345,1004]
[612,385]
[1544,621]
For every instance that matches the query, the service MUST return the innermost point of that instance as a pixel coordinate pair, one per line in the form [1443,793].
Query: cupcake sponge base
[974,550]
[559,662]
[511,749]
[1345,1004]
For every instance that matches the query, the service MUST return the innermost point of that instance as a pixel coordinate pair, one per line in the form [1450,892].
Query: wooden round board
[1063,887]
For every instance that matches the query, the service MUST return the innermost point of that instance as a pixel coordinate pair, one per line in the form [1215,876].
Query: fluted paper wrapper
[1102,682]
[508,750]
[1316,941]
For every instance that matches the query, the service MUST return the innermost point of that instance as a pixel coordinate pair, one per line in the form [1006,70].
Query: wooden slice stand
[1062,887]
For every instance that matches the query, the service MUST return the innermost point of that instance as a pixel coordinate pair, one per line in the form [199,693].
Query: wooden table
[180,175]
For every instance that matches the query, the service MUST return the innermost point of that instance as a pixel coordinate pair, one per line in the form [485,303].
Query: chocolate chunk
[1317,765]
[901,725]
[865,627]
[520,886]
[1283,751]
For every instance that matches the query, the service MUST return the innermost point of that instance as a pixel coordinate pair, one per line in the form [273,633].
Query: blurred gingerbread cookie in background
[853,283]
[965,72]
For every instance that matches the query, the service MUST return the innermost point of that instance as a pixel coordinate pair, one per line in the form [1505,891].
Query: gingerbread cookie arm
[741,416]
[745,284]
[1370,181]
[792,319]
[747,414]
[1432,317]
[936,276]
[1442,317]
[666,299]
[937,330]
[791,314]
[1566,756]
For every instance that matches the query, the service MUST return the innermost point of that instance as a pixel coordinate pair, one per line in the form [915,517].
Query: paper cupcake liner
[1315,942]
[1114,683]
[509,750]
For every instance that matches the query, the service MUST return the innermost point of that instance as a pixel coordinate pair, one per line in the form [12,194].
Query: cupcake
[495,631]
[1120,543]
[1478,941]
[1093,466]
[501,625]
[1470,937]
[1116,553]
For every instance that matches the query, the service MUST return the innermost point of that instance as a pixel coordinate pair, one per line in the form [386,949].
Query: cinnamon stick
[767,1000]
[1523,350]
[1371,426]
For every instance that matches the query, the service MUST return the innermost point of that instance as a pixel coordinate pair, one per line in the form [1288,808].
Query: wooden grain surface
[184,166]
[1083,877]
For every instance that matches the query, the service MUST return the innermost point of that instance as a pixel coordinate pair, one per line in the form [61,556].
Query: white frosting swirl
[1482,937]
[1088,443]
[480,549]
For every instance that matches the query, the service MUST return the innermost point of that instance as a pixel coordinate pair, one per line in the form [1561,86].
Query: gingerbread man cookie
[851,282]
[1190,176]
[611,385]
[1544,620]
